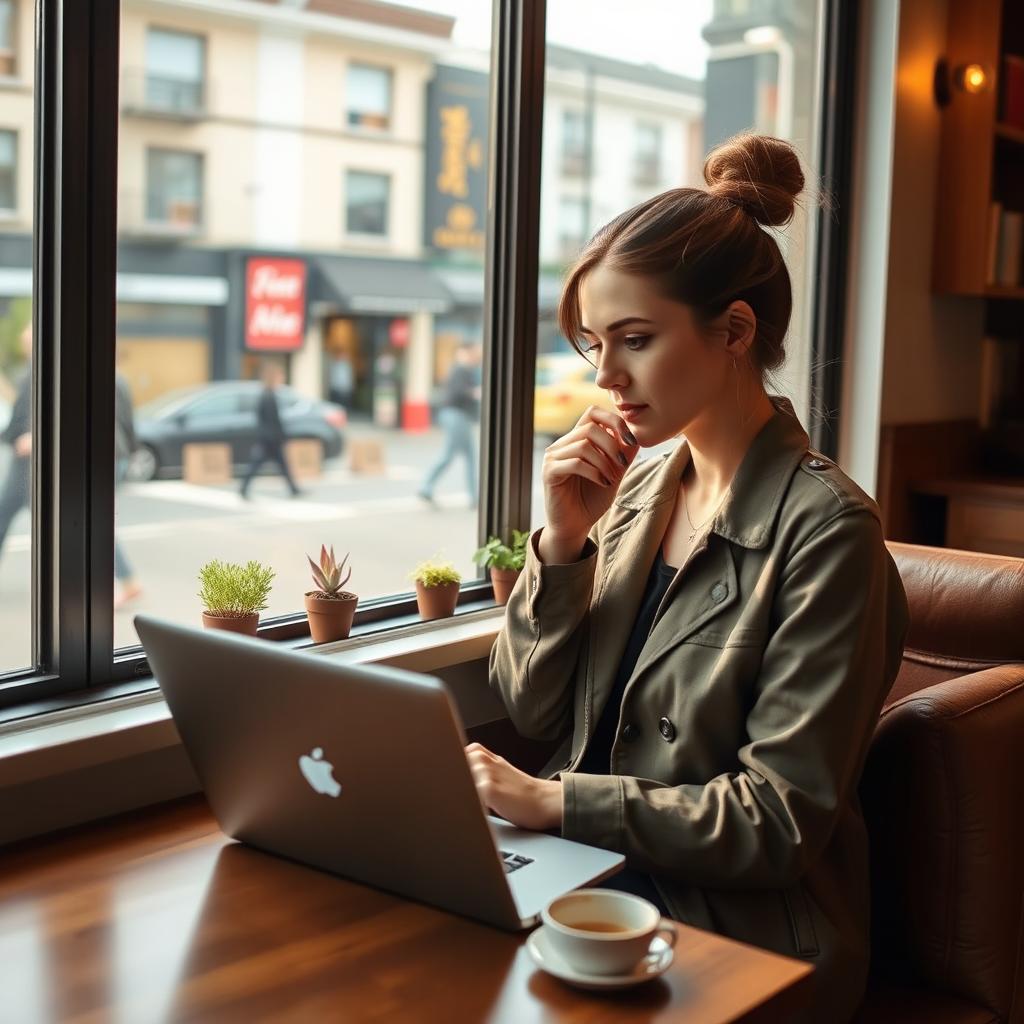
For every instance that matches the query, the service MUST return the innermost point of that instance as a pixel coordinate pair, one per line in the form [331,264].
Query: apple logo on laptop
[318,773]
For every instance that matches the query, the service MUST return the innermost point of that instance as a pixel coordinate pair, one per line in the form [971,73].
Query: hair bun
[759,173]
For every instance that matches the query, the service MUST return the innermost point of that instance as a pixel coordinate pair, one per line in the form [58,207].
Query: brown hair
[706,247]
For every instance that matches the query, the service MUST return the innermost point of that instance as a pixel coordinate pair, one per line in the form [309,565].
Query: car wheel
[143,464]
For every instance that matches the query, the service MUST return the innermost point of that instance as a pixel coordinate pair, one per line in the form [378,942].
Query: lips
[629,406]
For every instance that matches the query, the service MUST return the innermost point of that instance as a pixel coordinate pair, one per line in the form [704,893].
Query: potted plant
[234,595]
[330,609]
[505,563]
[437,588]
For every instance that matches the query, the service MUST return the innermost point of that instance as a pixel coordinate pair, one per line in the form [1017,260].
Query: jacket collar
[747,516]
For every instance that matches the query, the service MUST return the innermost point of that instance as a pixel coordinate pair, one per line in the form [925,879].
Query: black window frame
[75,246]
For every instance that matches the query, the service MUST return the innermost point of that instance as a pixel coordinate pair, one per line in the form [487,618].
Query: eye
[639,339]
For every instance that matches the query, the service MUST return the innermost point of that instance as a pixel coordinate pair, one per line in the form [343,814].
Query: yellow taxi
[565,386]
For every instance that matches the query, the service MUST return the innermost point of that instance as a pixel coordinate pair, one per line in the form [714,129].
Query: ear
[741,327]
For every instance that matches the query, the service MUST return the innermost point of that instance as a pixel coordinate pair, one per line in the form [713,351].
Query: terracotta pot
[503,581]
[330,618]
[437,602]
[233,623]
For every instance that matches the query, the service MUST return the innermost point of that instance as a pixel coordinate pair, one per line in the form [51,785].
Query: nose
[608,374]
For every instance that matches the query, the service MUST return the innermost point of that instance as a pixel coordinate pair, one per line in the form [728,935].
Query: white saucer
[657,961]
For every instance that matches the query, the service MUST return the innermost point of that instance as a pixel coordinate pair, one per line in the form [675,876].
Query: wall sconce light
[969,78]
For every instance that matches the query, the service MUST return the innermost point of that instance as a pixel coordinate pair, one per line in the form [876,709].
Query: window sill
[66,741]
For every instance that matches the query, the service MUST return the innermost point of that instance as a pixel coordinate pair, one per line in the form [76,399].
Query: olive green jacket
[752,703]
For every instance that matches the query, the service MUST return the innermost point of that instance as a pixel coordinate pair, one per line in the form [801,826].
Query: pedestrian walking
[341,378]
[459,409]
[16,491]
[124,445]
[270,434]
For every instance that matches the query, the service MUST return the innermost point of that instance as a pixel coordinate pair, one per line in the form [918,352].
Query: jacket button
[816,464]
[667,729]
[630,732]
[718,592]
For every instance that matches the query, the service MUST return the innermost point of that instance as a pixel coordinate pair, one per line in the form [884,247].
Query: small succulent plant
[327,575]
[434,573]
[233,591]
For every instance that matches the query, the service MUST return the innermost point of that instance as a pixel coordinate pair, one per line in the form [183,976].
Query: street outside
[169,528]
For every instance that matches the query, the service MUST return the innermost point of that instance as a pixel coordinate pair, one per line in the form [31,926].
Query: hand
[23,445]
[519,798]
[582,471]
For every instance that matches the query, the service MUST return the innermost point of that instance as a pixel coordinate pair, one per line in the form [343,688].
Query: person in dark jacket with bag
[17,487]
[270,434]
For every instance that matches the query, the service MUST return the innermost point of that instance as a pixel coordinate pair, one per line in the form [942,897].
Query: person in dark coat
[124,444]
[270,433]
[459,410]
[16,491]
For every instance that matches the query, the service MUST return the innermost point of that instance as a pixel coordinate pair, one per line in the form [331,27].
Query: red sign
[275,305]
[398,333]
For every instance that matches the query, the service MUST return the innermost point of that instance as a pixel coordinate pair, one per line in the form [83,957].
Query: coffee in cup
[603,931]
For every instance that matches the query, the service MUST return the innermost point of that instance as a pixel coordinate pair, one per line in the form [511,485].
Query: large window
[18,442]
[368,96]
[367,197]
[348,271]
[632,107]
[266,243]
[174,71]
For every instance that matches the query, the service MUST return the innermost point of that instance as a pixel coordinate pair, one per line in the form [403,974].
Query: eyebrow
[618,323]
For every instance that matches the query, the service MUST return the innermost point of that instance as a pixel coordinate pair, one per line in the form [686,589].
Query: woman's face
[650,352]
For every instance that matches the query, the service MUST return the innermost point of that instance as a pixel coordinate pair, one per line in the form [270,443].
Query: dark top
[458,390]
[268,418]
[597,760]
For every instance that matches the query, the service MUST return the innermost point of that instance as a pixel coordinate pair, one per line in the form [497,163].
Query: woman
[710,634]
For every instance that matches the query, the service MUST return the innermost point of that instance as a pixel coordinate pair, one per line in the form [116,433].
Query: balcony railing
[159,215]
[152,95]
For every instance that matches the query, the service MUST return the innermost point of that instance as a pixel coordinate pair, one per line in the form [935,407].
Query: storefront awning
[467,287]
[379,286]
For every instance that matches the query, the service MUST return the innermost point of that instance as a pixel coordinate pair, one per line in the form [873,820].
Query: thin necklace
[694,529]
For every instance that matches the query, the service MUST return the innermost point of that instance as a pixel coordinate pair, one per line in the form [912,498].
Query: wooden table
[157,916]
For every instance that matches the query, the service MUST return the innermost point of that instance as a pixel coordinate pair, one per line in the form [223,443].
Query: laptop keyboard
[514,861]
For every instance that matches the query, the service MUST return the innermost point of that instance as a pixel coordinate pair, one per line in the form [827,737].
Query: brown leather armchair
[943,798]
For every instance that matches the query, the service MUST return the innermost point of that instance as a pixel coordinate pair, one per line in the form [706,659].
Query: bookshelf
[979,245]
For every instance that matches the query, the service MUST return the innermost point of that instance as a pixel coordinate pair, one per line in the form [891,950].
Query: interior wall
[932,353]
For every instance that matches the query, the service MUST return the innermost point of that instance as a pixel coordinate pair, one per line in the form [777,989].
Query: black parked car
[225,411]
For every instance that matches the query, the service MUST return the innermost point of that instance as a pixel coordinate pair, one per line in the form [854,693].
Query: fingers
[610,419]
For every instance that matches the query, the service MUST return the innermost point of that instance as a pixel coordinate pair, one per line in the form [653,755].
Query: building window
[174,188]
[647,158]
[175,64]
[8,170]
[368,96]
[574,142]
[7,37]
[366,203]
[572,227]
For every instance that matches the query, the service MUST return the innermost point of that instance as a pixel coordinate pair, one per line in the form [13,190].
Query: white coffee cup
[603,931]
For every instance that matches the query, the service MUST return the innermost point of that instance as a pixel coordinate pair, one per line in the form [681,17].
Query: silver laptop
[356,770]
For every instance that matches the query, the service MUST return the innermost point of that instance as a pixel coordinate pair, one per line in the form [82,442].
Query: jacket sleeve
[840,619]
[534,657]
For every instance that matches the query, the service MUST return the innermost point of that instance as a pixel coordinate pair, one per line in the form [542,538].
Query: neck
[718,440]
